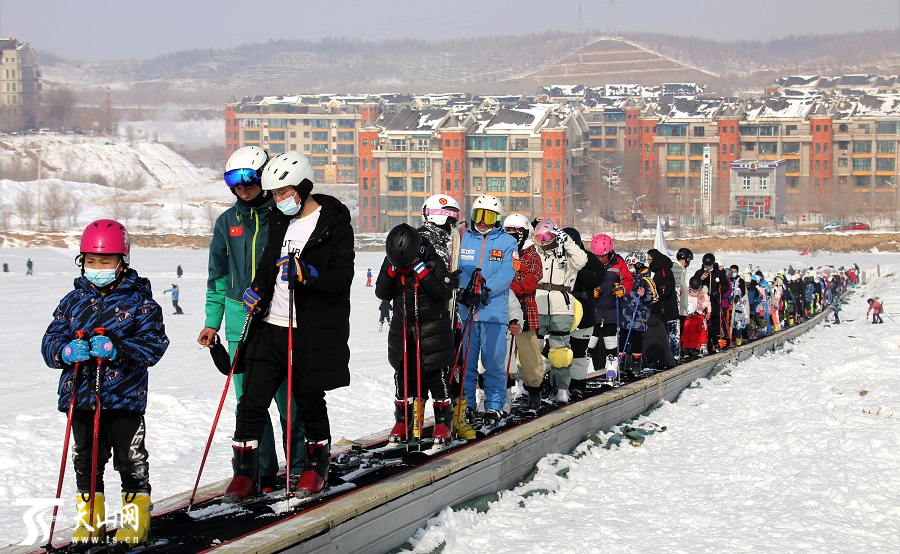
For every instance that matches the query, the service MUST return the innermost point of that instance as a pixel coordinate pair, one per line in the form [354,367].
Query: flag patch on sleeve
[236,231]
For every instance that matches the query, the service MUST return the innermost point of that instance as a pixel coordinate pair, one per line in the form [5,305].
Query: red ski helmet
[106,236]
[601,245]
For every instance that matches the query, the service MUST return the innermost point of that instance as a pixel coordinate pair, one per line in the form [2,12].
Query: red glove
[515,327]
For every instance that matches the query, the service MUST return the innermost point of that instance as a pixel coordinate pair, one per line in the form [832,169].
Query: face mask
[100,277]
[288,206]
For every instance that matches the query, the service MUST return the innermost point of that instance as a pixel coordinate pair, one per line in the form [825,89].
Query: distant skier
[29,267]
[5,268]
[368,276]
[179,272]
[876,308]
[385,309]
[836,308]
[174,291]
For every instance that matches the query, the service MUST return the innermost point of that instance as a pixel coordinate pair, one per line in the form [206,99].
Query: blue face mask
[100,277]
[288,206]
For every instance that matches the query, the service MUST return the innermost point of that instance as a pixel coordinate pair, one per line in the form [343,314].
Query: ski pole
[406,421]
[419,411]
[292,282]
[79,334]
[237,351]
[95,445]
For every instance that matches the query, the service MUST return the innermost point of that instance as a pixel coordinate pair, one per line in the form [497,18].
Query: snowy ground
[805,462]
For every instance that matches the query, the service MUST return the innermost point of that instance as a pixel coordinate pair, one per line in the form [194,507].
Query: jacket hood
[660,260]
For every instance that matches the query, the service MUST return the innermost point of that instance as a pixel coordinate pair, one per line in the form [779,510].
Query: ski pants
[122,432]
[556,328]
[714,327]
[694,334]
[268,454]
[581,364]
[607,343]
[488,340]
[635,340]
[674,332]
[434,380]
[266,362]
[530,364]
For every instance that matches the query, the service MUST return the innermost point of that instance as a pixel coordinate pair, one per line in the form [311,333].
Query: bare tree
[53,207]
[25,208]
[72,166]
[123,210]
[185,214]
[210,212]
[146,213]
[72,210]
[58,104]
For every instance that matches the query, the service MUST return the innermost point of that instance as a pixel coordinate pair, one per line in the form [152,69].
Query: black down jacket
[666,308]
[434,322]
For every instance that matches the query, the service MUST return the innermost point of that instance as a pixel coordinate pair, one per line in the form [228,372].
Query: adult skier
[617,282]
[239,239]
[486,261]
[308,259]
[587,280]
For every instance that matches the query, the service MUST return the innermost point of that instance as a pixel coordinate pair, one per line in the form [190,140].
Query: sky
[94,30]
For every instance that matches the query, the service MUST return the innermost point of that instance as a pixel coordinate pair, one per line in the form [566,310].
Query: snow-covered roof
[878,105]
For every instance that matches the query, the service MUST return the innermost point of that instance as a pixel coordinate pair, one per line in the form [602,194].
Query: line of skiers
[504,305]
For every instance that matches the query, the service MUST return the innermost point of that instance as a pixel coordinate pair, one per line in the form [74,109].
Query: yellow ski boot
[461,427]
[135,526]
[84,531]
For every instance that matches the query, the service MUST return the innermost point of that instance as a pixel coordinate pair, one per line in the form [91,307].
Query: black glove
[454,278]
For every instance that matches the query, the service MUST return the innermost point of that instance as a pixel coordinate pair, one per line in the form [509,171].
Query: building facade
[19,86]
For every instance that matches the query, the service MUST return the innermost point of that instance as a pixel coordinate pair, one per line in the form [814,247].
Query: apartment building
[19,85]
[529,156]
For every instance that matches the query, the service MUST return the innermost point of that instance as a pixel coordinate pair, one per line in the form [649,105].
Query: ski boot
[315,475]
[135,526]
[561,396]
[461,428]
[490,420]
[86,532]
[403,413]
[245,463]
[443,419]
[703,350]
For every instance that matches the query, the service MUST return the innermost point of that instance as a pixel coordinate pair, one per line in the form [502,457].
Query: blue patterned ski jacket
[134,323]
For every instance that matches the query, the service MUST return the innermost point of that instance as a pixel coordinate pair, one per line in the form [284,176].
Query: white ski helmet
[438,208]
[636,257]
[252,157]
[517,221]
[287,169]
[486,209]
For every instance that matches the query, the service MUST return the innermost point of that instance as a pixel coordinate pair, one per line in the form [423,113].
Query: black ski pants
[123,432]
[266,363]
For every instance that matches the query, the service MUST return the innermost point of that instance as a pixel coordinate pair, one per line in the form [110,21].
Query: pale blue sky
[122,29]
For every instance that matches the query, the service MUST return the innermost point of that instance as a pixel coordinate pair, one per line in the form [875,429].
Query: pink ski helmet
[543,232]
[106,236]
[601,245]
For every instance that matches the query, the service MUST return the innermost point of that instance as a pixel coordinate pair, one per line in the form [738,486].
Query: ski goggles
[487,217]
[545,238]
[244,176]
[449,212]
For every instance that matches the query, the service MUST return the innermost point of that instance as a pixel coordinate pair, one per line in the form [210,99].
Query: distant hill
[500,65]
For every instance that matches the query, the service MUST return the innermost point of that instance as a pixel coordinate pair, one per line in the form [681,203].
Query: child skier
[836,308]
[123,332]
[635,314]
[385,310]
[420,343]
[693,340]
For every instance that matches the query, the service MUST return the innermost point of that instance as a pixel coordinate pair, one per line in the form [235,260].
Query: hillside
[510,64]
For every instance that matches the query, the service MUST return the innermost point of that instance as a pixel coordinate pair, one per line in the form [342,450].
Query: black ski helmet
[402,245]
[709,259]
[695,283]
[685,254]
[574,235]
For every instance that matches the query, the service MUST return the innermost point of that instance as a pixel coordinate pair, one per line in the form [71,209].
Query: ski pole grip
[79,334]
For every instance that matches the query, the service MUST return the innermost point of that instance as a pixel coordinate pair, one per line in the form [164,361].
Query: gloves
[515,327]
[454,277]
[470,299]
[251,301]
[102,347]
[560,235]
[306,274]
[75,351]
[420,269]
[618,290]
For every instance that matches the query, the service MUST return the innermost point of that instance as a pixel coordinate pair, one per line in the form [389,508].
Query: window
[699,131]
[365,183]
[293,134]
[885,147]
[557,185]
[398,145]
[278,123]
[675,166]
[763,183]
[818,165]
[476,182]
[365,164]
[496,184]
[549,165]
[396,164]
[422,145]
[520,184]
[345,136]
[842,162]
[251,135]
[520,144]
[486,143]
[456,184]
[696,149]
[396,184]
[320,148]
[320,136]
[862,164]
[447,185]
[418,184]
[745,182]
[477,162]
[455,165]
[365,202]
[320,123]
[676,149]
[519,164]
[345,149]
[768,148]
[862,147]
[885,164]
[417,165]
[447,166]
[790,148]
[495,165]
